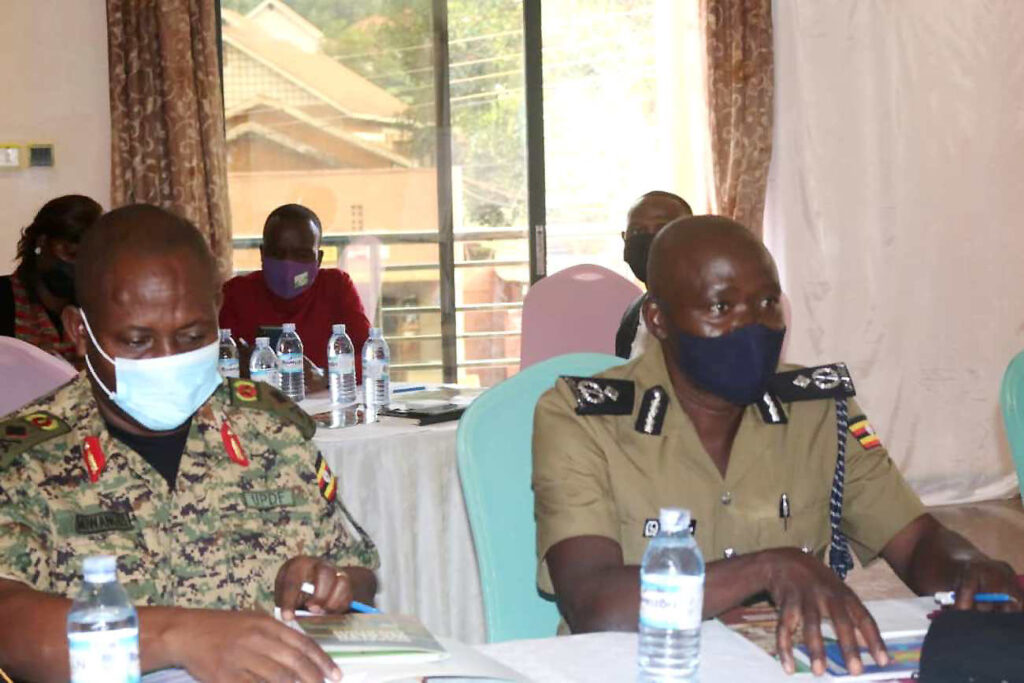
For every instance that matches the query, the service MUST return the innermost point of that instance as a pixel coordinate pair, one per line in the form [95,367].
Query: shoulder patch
[864,432]
[246,393]
[599,396]
[652,411]
[808,384]
[19,434]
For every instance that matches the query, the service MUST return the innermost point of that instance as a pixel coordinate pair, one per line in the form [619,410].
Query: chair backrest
[361,260]
[1011,400]
[28,373]
[575,310]
[495,467]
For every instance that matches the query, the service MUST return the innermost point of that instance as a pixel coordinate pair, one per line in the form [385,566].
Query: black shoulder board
[599,396]
[808,384]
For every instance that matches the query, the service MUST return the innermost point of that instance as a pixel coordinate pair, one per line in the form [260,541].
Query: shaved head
[292,233]
[137,233]
[655,209]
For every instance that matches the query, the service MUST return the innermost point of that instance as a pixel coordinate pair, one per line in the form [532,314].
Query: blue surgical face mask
[160,393]
[736,366]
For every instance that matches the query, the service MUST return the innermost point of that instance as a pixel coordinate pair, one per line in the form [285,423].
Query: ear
[71,317]
[655,318]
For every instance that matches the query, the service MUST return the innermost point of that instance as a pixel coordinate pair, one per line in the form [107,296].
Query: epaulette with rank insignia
[261,396]
[599,396]
[808,384]
[18,434]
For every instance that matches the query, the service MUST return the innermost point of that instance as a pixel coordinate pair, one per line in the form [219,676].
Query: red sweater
[248,303]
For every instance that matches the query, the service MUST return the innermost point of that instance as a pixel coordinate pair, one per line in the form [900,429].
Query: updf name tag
[265,500]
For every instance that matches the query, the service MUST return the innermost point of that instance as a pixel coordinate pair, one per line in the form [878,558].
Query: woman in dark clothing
[43,283]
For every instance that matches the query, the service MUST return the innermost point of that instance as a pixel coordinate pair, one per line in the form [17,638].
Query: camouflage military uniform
[608,453]
[251,492]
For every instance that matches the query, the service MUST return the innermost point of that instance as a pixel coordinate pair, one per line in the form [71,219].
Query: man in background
[649,214]
[293,288]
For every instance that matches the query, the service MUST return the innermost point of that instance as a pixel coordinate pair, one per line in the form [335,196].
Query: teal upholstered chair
[1011,399]
[495,462]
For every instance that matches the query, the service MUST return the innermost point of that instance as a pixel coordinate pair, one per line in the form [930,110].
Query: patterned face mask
[288,279]
[160,393]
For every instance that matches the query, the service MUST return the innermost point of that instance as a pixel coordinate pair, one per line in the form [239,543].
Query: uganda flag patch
[864,432]
[325,479]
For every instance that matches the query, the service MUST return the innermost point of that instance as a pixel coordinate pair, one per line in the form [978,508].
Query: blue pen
[947,598]
[404,390]
[355,605]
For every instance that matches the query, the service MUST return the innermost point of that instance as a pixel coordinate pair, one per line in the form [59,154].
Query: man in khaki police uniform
[210,493]
[775,468]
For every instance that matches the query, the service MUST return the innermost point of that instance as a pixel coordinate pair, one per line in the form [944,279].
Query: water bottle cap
[374,332]
[288,327]
[99,568]
[674,519]
[262,341]
[225,332]
[338,328]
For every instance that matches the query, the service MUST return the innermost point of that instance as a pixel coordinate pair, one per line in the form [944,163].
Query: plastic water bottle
[671,600]
[376,374]
[289,355]
[228,363]
[341,366]
[103,628]
[263,365]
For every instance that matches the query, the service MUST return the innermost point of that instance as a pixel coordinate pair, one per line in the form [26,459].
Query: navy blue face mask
[736,366]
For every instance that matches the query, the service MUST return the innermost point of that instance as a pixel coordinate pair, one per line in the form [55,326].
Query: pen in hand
[355,605]
[947,598]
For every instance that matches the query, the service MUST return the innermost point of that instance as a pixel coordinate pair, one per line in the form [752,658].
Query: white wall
[53,89]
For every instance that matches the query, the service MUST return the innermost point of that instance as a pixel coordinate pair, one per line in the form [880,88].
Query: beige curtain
[167,113]
[738,36]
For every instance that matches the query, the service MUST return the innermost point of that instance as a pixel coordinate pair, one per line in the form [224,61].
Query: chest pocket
[807,527]
[110,529]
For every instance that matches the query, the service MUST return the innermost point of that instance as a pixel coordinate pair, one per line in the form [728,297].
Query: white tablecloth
[401,484]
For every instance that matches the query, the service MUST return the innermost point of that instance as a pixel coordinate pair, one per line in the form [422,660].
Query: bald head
[653,210]
[136,234]
[687,248]
[292,233]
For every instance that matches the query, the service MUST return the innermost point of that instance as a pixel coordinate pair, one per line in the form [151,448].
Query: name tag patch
[102,522]
[264,500]
[653,526]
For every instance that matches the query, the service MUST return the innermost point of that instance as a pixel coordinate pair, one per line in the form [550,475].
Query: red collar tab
[232,445]
[95,460]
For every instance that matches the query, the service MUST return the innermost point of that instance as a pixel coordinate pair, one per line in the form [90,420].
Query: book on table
[372,637]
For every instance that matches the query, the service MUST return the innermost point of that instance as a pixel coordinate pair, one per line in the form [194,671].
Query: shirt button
[726,498]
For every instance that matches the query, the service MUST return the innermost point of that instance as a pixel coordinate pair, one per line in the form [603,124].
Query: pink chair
[575,310]
[28,373]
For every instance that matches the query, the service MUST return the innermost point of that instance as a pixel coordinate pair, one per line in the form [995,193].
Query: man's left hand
[982,575]
[332,587]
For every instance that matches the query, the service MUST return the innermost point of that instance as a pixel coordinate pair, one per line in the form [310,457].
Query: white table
[401,484]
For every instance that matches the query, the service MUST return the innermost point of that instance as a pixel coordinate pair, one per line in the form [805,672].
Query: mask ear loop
[88,363]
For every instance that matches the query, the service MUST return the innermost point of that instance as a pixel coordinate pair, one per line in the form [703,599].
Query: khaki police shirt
[599,475]
[251,492]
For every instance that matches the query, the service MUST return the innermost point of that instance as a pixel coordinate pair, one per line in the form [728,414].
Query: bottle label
[228,367]
[290,362]
[375,367]
[105,656]
[262,376]
[671,602]
[342,364]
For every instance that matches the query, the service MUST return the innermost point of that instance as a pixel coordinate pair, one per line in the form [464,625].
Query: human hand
[218,646]
[806,591]
[982,575]
[332,587]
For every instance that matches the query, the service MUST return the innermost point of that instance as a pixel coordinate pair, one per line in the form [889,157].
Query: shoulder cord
[839,558]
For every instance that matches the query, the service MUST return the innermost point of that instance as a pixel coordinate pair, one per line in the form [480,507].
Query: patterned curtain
[738,35]
[167,113]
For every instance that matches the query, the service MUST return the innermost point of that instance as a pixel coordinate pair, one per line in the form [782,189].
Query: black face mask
[60,280]
[635,253]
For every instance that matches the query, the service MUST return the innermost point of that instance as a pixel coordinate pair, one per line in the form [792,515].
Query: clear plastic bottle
[228,363]
[289,355]
[103,627]
[341,367]
[263,364]
[376,374]
[671,600]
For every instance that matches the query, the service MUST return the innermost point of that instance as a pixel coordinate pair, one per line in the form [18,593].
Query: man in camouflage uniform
[246,515]
[776,468]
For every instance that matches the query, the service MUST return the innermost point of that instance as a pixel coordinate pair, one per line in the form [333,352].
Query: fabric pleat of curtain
[167,113]
[738,38]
